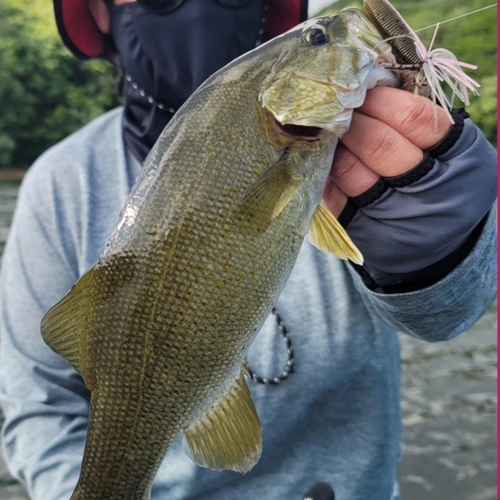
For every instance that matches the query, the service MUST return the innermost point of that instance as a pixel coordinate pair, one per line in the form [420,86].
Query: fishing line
[441,22]
[458,17]
[439,66]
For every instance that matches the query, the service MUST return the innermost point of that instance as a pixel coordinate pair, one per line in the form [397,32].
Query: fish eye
[317,37]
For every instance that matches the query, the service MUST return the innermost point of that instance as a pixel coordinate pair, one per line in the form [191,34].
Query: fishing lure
[433,66]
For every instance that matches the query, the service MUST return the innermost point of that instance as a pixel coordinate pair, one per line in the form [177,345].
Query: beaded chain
[288,368]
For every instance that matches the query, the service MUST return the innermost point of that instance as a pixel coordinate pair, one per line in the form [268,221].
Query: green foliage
[46,93]
[483,110]
[7,146]
[472,39]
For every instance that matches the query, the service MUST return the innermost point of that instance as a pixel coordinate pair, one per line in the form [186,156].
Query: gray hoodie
[336,418]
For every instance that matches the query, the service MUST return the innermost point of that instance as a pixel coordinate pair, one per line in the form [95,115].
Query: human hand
[404,210]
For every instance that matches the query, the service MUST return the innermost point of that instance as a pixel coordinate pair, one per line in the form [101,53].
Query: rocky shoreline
[11,174]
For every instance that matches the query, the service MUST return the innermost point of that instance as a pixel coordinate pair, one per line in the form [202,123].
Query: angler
[159,325]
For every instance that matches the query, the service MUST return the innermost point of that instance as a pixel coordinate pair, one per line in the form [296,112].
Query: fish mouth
[300,131]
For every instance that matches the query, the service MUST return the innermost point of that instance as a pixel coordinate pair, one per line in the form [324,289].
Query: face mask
[163,6]
[166,57]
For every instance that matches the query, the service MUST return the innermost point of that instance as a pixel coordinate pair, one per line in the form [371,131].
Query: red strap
[81,27]
[282,15]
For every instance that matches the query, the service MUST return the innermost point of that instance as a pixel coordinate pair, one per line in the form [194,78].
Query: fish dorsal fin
[64,327]
[326,233]
[228,435]
[268,196]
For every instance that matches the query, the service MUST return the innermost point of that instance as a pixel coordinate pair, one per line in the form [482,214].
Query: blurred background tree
[46,93]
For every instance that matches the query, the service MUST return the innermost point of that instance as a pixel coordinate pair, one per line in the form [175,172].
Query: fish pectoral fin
[326,233]
[64,327]
[268,196]
[228,435]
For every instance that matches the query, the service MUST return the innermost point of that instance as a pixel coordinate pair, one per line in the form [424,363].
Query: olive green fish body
[183,299]
[160,325]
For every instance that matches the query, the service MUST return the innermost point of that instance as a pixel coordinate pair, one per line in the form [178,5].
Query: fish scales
[185,298]
[160,325]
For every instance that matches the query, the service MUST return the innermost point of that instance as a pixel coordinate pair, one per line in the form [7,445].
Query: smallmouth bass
[159,326]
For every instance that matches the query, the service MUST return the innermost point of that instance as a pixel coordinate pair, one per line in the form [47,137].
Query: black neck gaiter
[167,56]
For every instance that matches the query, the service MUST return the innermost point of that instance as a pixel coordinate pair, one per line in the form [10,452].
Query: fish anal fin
[269,195]
[64,327]
[326,233]
[228,435]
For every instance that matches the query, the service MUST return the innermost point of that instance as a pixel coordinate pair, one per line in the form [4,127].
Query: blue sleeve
[407,226]
[450,306]
[45,401]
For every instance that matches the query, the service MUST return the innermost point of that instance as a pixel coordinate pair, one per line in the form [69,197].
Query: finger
[350,174]
[335,200]
[413,116]
[380,147]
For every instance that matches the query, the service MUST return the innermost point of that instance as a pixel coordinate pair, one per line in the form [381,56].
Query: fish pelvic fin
[269,195]
[228,435]
[326,233]
[64,327]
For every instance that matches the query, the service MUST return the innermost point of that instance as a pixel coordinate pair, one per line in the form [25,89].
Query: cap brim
[78,29]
